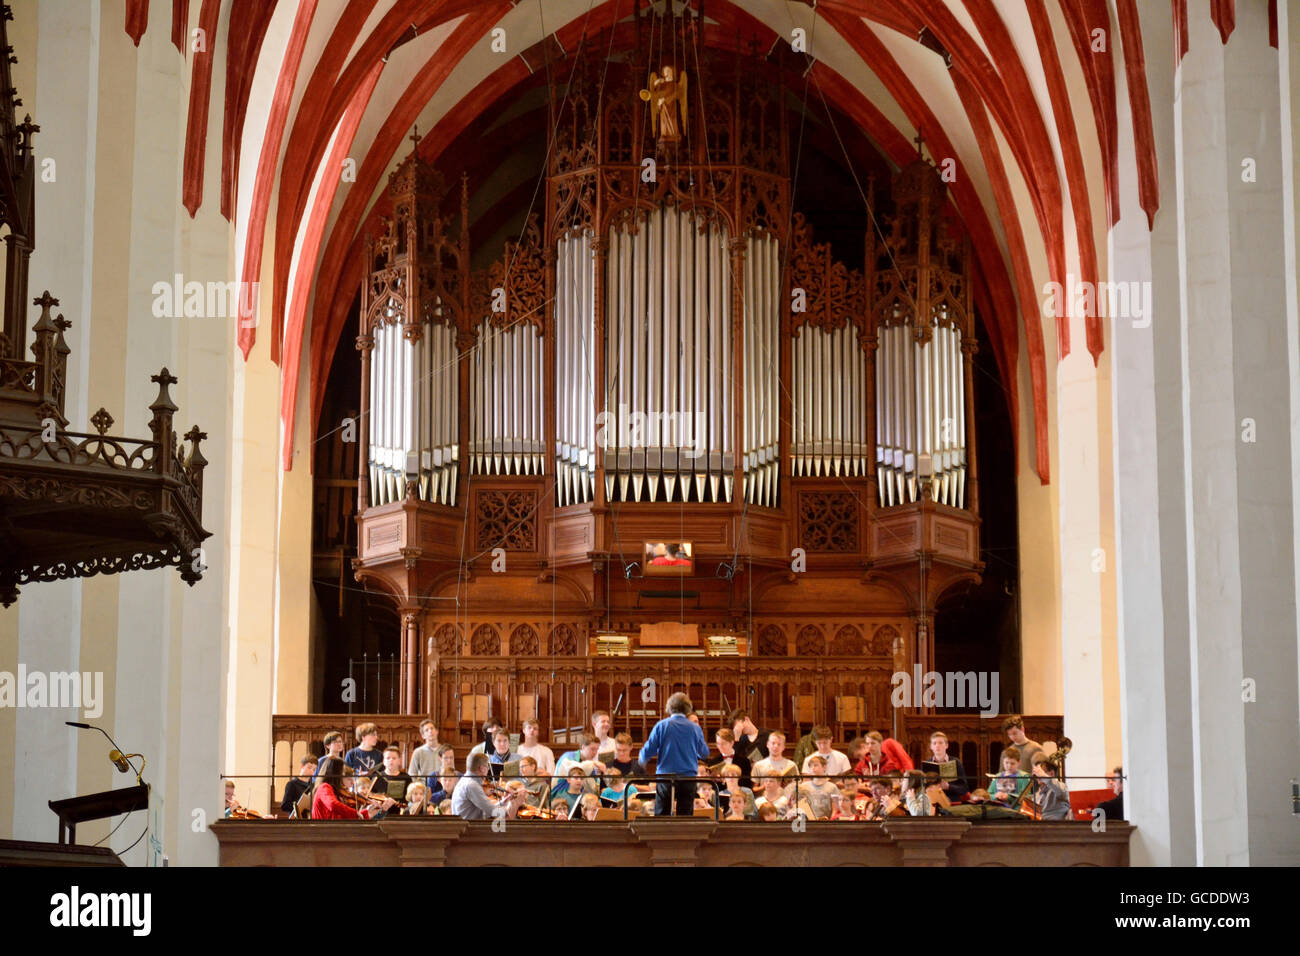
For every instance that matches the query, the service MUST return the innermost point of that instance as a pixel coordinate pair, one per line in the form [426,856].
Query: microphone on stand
[120,760]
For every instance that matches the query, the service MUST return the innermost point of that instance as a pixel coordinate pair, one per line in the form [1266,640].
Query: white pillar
[1150,549]
[1237,396]
[1263,391]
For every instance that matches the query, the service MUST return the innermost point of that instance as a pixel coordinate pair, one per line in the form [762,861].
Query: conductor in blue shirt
[679,745]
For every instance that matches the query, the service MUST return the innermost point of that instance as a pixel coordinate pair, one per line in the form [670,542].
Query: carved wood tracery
[506,519]
[828,521]
[512,291]
[836,295]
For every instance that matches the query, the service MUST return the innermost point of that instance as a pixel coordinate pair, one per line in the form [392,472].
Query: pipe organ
[921,311]
[668,336]
[665,354]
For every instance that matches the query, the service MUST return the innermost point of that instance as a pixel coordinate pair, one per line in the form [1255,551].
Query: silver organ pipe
[505,400]
[575,436]
[413,409]
[762,286]
[666,428]
[829,433]
[921,412]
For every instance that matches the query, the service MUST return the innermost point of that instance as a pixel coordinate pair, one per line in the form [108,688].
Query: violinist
[590,806]
[538,788]
[572,789]
[392,780]
[884,802]
[295,788]
[470,801]
[328,801]
[231,802]
[417,800]
[1050,795]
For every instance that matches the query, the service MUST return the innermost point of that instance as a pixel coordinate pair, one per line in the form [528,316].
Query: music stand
[97,806]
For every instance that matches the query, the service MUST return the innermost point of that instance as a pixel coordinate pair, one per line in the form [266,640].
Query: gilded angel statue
[666,93]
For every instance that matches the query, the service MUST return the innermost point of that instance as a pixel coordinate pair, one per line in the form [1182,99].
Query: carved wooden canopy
[74,504]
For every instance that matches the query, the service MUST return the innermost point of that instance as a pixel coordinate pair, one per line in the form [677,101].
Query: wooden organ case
[665,355]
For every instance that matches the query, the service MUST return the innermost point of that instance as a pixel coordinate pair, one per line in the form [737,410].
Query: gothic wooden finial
[102,420]
[163,403]
[45,300]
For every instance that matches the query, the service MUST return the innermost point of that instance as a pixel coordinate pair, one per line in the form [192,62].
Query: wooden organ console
[666,354]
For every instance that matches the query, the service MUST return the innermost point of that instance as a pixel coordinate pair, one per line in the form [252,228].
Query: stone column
[1237,395]
[1147,435]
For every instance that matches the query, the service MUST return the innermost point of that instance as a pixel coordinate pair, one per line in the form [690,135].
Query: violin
[375,800]
[240,812]
[493,790]
[892,806]
[534,813]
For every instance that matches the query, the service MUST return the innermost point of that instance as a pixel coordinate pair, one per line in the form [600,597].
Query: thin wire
[125,816]
[785,252]
[552,138]
[875,224]
[137,840]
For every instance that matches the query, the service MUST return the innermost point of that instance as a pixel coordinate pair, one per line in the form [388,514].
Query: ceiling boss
[666,94]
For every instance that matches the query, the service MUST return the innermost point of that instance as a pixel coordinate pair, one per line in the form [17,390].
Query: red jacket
[892,757]
[326,805]
[896,757]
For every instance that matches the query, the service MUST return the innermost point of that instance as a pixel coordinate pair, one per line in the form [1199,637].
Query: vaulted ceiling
[320,97]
